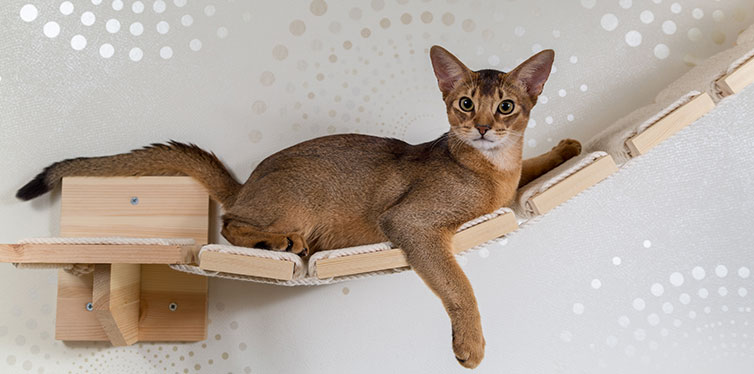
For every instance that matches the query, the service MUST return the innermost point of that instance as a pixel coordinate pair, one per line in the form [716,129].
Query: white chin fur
[495,152]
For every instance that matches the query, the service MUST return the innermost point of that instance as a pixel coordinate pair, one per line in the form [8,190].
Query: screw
[173,307]
[134,200]
[89,306]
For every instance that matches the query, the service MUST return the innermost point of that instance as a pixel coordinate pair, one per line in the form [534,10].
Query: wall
[245,79]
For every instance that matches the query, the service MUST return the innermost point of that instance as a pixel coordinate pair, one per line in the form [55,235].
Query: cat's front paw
[468,344]
[568,148]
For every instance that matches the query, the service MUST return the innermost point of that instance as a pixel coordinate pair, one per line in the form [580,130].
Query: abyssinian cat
[346,190]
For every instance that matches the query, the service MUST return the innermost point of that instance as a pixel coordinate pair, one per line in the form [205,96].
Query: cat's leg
[535,167]
[245,235]
[428,251]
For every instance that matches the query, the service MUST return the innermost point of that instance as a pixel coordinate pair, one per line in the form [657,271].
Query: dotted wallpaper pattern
[247,78]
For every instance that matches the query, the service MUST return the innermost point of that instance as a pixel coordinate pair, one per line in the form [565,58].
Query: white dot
[623,321]
[695,34]
[676,279]
[549,120]
[578,308]
[640,334]
[573,59]
[676,8]
[137,7]
[583,88]
[222,32]
[742,292]
[609,22]
[570,117]
[647,244]
[667,308]
[589,4]
[562,92]
[555,33]
[166,52]
[106,50]
[519,31]
[684,298]
[616,261]
[596,284]
[195,44]
[28,12]
[78,42]
[703,293]
[187,20]
[135,54]
[532,143]
[677,322]
[87,18]
[639,304]
[653,319]
[669,27]
[692,314]
[744,272]
[718,15]
[625,4]
[657,289]
[117,5]
[136,29]
[209,10]
[163,27]
[647,17]
[543,99]
[112,25]
[566,336]
[158,6]
[66,8]
[484,253]
[611,341]
[633,38]
[96,2]
[494,60]
[698,273]
[479,50]
[697,13]
[532,123]
[179,3]
[51,29]
[662,51]
[722,291]
[721,271]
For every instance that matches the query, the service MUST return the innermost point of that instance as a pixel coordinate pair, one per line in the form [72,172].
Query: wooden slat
[168,207]
[98,253]
[160,286]
[395,258]
[736,81]
[116,301]
[246,265]
[569,187]
[73,322]
[683,116]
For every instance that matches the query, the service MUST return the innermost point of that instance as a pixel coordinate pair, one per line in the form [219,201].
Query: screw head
[134,200]
[173,307]
[89,306]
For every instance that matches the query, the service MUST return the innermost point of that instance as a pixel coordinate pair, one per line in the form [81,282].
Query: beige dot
[332,113]
[320,77]
[330,129]
[365,32]
[225,355]
[333,58]
[259,107]
[718,37]
[468,25]
[255,136]
[426,17]
[218,337]
[355,13]
[310,95]
[346,291]
[487,34]
[318,7]
[197,367]
[448,19]
[385,23]
[347,44]
[335,27]
[297,27]
[280,52]
[267,78]
[378,4]
[406,18]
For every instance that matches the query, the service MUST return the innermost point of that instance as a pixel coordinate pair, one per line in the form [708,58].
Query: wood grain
[116,301]
[73,322]
[98,253]
[246,265]
[736,81]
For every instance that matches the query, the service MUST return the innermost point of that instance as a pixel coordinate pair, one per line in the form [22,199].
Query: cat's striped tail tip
[37,187]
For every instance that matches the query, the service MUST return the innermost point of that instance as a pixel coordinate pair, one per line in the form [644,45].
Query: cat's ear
[448,69]
[533,73]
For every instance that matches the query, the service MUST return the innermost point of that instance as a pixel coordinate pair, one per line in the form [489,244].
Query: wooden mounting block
[736,81]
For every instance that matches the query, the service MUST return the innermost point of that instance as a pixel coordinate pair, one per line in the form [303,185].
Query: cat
[347,190]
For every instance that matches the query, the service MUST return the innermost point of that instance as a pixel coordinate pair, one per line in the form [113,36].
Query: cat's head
[489,109]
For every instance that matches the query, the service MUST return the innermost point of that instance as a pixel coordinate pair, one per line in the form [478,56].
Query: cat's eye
[466,104]
[506,107]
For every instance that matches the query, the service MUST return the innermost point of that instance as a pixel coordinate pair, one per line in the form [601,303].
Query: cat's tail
[173,158]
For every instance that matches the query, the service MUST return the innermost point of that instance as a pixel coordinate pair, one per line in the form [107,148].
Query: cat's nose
[482,128]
